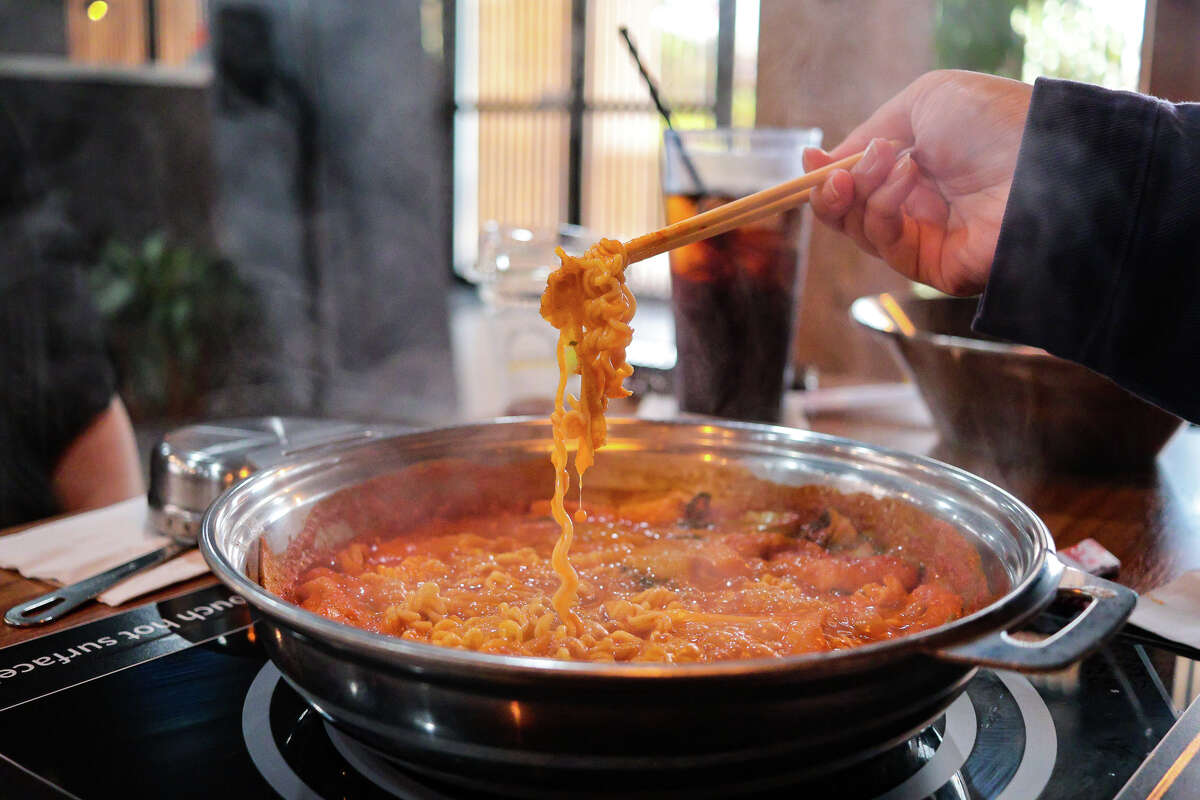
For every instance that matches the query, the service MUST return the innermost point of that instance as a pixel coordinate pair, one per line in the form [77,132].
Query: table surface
[1150,521]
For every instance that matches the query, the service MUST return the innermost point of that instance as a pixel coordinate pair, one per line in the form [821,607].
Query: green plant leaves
[114,295]
[172,314]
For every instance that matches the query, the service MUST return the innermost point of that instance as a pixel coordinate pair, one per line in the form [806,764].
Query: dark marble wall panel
[108,155]
[33,27]
[332,144]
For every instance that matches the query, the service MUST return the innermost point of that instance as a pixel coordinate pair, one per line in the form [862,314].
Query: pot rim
[862,311]
[1005,611]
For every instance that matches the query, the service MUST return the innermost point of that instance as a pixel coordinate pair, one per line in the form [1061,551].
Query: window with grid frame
[553,123]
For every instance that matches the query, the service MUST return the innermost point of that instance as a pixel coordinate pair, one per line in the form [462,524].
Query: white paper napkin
[664,406]
[1173,610]
[68,550]
[180,568]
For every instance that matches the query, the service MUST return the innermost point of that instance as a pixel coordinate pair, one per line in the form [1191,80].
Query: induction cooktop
[177,699]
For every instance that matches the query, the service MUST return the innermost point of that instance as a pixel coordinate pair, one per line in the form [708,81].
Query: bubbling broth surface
[678,575]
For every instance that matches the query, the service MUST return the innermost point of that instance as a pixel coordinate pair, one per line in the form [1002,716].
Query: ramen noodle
[713,568]
[587,300]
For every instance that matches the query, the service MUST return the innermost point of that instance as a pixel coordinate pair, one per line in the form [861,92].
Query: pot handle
[1109,605]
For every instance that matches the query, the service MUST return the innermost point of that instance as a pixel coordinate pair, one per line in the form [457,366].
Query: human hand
[929,195]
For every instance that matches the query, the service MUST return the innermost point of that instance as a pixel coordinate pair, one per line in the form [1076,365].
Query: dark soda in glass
[734,298]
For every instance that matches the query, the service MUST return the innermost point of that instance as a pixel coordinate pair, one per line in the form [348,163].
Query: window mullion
[723,105]
[576,109]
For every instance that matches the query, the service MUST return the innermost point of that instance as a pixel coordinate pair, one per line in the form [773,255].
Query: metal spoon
[56,603]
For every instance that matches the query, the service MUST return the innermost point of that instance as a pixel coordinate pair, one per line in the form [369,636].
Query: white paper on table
[664,406]
[73,548]
[180,568]
[1172,610]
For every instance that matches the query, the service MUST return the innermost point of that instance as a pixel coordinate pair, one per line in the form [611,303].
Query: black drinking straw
[664,111]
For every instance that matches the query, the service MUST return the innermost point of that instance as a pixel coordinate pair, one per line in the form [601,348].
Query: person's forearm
[101,466]
[1099,255]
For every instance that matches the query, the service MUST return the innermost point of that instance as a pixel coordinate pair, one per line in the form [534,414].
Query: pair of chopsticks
[733,215]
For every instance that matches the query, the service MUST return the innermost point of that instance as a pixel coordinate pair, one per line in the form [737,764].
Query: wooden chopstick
[789,201]
[732,215]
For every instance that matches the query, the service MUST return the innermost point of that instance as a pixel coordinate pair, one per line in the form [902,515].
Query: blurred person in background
[1075,210]
[66,442]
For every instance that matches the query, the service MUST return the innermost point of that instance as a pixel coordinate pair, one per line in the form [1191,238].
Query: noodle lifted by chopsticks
[587,300]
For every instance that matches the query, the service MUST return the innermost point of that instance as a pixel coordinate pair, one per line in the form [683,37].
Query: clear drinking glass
[504,350]
[514,262]
[735,295]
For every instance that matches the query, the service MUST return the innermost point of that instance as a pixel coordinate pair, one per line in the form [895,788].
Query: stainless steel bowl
[513,721]
[1011,403]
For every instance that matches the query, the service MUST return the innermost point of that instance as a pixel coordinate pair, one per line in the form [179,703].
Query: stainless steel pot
[521,721]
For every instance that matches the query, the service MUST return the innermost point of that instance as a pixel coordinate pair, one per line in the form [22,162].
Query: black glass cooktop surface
[177,699]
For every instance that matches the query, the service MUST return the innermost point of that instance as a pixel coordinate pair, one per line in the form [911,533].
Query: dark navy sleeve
[1098,259]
